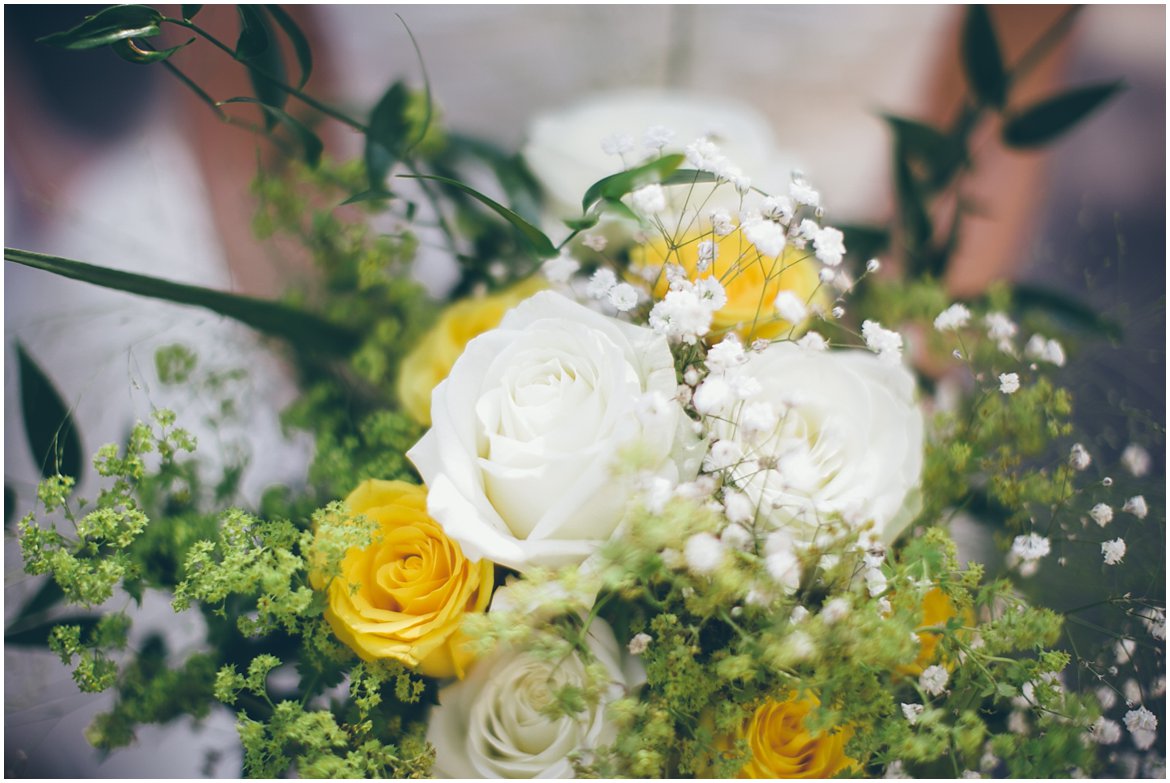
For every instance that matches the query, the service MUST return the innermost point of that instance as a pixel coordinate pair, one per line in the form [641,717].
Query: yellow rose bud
[405,595]
[751,280]
[783,748]
[431,360]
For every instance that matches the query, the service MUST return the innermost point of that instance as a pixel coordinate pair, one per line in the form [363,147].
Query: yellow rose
[432,359]
[404,596]
[750,279]
[937,609]
[783,748]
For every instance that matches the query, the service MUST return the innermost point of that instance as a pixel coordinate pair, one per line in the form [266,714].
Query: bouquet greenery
[667,496]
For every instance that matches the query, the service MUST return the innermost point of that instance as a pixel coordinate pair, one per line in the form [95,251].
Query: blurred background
[116,164]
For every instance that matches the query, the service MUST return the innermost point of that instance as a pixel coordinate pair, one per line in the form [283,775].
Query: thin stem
[1047,40]
[305,98]
[433,200]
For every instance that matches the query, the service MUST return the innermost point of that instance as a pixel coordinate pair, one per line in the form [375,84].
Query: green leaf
[1067,309]
[982,60]
[37,635]
[939,153]
[305,331]
[257,49]
[112,24]
[428,107]
[44,599]
[618,206]
[48,427]
[1044,121]
[584,223]
[310,143]
[536,239]
[865,241]
[132,52]
[912,213]
[298,40]
[386,134]
[189,11]
[689,177]
[617,185]
[374,194]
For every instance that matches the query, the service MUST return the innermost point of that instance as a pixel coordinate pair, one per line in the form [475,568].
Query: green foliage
[48,426]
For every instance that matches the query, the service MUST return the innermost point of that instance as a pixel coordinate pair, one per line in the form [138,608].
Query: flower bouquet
[670,483]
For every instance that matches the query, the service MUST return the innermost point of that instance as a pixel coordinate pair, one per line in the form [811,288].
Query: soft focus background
[112,163]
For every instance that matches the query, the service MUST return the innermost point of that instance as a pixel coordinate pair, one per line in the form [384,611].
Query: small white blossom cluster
[1143,727]
[1043,350]
[1027,551]
[955,317]
[1136,506]
[1136,460]
[883,342]
[934,680]
[1113,551]
[685,314]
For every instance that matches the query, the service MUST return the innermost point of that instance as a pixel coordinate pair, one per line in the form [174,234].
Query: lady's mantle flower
[934,680]
[1113,551]
[404,596]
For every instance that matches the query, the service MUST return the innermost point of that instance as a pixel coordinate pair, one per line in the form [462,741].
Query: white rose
[847,444]
[529,423]
[491,725]
[564,149]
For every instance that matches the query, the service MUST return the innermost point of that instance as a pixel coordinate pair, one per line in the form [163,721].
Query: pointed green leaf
[617,206]
[376,194]
[865,241]
[105,27]
[1067,309]
[37,634]
[189,11]
[310,143]
[428,106]
[536,239]
[131,52]
[44,599]
[302,329]
[982,60]
[298,40]
[911,205]
[1042,122]
[386,134]
[257,49]
[48,427]
[689,177]
[617,185]
[939,153]
[584,223]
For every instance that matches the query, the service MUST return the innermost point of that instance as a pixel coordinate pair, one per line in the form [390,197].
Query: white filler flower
[845,441]
[491,724]
[529,424]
